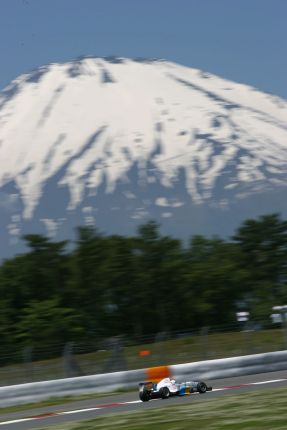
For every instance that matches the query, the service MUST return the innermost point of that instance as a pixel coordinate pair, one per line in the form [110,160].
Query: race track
[89,409]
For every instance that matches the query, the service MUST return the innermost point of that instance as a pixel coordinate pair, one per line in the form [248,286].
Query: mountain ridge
[91,122]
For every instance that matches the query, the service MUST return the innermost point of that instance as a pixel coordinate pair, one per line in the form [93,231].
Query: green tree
[215,283]
[159,281]
[46,267]
[122,305]
[47,324]
[38,275]
[263,253]
[88,283]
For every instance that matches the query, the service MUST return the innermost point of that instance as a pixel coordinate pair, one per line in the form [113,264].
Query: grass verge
[55,401]
[260,410]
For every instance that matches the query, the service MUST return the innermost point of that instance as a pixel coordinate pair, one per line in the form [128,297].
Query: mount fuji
[114,142]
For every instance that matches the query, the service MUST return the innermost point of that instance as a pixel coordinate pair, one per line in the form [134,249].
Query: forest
[108,285]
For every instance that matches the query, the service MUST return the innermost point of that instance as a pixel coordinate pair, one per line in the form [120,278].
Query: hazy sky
[242,40]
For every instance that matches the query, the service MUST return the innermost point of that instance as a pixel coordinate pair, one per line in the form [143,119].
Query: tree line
[134,286]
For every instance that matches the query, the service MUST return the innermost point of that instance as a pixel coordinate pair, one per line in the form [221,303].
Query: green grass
[260,410]
[54,401]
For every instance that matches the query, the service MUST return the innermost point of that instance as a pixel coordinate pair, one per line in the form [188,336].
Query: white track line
[78,411]
[269,382]
[22,420]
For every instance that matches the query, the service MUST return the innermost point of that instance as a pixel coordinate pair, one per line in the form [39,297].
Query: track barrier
[109,382]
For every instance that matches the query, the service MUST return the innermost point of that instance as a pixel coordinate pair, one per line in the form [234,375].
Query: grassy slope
[260,410]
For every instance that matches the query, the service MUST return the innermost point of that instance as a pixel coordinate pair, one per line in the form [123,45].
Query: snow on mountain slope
[91,121]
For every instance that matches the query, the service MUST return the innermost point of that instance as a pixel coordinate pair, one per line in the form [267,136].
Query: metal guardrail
[231,367]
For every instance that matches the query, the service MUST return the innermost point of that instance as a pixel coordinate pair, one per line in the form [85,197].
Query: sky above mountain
[244,41]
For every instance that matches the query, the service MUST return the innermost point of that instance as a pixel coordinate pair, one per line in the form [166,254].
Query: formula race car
[168,387]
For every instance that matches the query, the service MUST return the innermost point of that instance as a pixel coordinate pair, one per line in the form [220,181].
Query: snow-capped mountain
[116,141]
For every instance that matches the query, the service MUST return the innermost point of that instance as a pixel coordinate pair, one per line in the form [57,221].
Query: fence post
[205,342]
[159,338]
[117,361]
[284,326]
[71,367]
[28,363]
[247,347]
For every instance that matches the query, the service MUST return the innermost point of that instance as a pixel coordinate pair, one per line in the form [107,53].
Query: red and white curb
[114,405]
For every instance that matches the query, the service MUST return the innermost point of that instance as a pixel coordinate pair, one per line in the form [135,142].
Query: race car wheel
[201,387]
[144,396]
[164,393]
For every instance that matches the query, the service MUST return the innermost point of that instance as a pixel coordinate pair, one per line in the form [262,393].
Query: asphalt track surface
[101,406]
